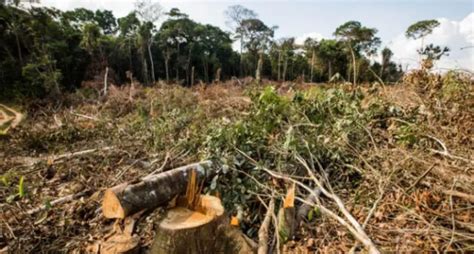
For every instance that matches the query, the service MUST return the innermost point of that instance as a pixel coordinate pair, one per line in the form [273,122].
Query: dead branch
[351,224]
[458,194]
[58,201]
[421,177]
[264,228]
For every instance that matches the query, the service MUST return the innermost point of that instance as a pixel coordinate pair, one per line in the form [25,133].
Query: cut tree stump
[153,191]
[206,230]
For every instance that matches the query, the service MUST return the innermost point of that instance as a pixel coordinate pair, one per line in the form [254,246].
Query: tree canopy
[45,51]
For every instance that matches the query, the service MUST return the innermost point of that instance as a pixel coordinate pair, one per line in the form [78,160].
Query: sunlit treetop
[421,28]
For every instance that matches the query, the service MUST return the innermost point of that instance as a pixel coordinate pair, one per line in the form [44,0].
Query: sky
[319,19]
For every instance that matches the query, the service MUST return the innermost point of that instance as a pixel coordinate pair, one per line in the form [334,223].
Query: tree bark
[279,65]
[145,65]
[153,191]
[167,59]
[18,46]
[330,70]
[106,76]
[177,64]
[192,75]
[240,60]
[218,75]
[199,232]
[312,66]
[258,73]
[151,63]
[188,64]
[205,66]
[354,67]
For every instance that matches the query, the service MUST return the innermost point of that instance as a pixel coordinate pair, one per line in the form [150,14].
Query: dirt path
[9,118]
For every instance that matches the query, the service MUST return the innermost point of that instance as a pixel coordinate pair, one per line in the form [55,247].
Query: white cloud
[450,33]
[313,35]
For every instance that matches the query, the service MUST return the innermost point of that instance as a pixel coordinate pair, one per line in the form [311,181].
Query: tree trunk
[151,63]
[130,56]
[421,50]
[285,68]
[106,76]
[188,64]
[177,64]
[240,60]
[205,66]
[218,75]
[153,191]
[279,65]
[312,66]
[18,46]
[330,70]
[354,67]
[192,75]
[167,59]
[258,73]
[199,232]
[145,66]
[132,85]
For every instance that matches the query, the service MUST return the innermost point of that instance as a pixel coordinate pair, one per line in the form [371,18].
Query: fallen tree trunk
[153,191]
[206,230]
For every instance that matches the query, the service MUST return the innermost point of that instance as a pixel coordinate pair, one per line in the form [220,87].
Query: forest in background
[44,51]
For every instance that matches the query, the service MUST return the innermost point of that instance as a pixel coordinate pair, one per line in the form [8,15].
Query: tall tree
[149,12]
[258,37]
[143,39]
[128,27]
[106,21]
[357,37]
[421,29]
[311,46]
[236,14]
[178,33]
[330,53]
[386,58]
[287,47]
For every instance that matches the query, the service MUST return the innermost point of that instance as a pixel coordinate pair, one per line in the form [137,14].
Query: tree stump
[206,230]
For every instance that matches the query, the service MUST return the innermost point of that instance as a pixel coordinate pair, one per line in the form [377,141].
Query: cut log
[153,191]
[204,231]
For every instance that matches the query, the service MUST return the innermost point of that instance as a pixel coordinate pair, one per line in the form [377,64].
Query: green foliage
[321,124]
[21,187]
[454,86]
[46,51]
[421,28]
[42,74]
[358,36]
[432,52]
[407,135]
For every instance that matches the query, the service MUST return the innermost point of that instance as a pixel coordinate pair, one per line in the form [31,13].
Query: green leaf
[310,215]
[5,180]
[21,187]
